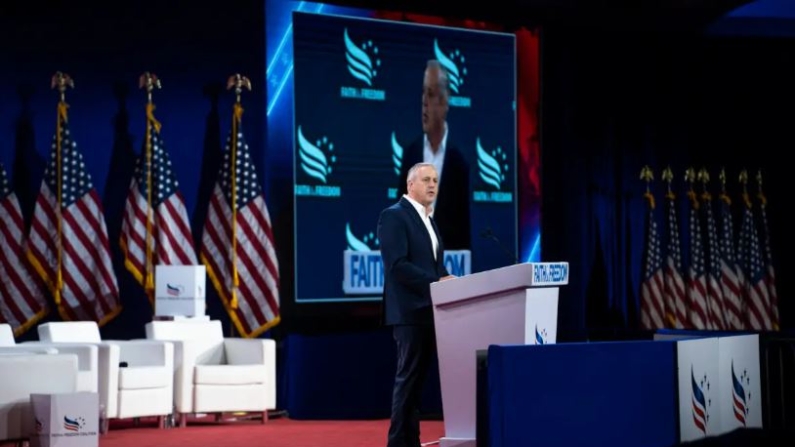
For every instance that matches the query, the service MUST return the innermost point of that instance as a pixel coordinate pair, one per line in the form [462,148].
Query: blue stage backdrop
[357,106]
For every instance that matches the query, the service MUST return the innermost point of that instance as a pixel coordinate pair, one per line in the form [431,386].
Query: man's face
[434,104]
[422,186]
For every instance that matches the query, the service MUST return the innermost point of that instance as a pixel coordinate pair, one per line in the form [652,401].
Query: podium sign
[517,304]
[180,290]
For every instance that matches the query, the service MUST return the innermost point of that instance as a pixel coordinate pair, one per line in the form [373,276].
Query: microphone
[488,234]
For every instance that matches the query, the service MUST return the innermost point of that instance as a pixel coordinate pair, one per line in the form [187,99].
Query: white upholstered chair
[23,373]
[214,374]
[87,356]
[135,376]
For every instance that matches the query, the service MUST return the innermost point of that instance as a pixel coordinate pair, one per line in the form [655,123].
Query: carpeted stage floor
[278,432]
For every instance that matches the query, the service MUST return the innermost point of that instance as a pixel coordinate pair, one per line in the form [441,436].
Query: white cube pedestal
[65,420]
[180,290]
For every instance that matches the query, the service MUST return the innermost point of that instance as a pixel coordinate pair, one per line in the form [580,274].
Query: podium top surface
[504,279]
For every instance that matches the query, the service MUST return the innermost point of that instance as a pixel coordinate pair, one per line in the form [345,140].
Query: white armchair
[135,376]
[214,374]
[22,373]
[87,356]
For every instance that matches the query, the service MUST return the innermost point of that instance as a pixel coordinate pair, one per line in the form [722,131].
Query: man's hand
[445,278]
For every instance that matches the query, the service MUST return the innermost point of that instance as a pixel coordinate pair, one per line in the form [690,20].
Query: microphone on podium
[489,234]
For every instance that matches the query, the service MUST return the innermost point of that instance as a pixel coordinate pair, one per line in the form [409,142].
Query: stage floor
[277,432]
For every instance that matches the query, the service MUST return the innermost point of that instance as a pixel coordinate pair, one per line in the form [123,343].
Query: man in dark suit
[412,252]
[451,207]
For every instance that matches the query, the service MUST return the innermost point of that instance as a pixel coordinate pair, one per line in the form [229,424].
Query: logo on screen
[492,171]
[700,401]
[455,64]
[363,62]
[397,160]
[316,161]
[363,266]
[741,395]
[368,242]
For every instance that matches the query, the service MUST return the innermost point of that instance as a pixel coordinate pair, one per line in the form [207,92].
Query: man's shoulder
[394,208]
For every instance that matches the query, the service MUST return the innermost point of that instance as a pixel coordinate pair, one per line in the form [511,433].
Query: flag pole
[723,195]
[667,176]
[647,175]
[60,81]
[149,82]
[744,182]
[237,82]
[690,178]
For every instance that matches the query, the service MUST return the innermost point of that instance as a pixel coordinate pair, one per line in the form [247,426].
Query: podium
[517,304]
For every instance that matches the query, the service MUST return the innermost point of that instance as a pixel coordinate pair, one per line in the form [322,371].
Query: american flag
[757,300]
[160,222]
[239,252]
[696,274]
[69,246]
[770,279]
[675,294]
[716,316]
[652,305]
[22,301]
[731,278]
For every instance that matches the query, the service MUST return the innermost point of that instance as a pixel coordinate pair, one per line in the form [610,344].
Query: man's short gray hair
[413,171]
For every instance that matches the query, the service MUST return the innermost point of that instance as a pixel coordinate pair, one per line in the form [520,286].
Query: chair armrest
[257,351]
[87,354]
[249,351]
[185,354]
[25,349]
[145,352]
[87,361]
[108,361]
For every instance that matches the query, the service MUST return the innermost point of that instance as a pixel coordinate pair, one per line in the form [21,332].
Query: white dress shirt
[426,219]
[436,159]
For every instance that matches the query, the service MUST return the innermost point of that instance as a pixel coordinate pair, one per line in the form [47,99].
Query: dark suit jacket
[409,267]
[452,203]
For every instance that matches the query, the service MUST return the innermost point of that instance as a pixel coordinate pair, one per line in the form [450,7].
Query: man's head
[435,93]
[421,183]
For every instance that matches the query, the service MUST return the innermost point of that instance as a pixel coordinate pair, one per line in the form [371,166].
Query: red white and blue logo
[74,423]
[701,401]
[541,336]
[740,396]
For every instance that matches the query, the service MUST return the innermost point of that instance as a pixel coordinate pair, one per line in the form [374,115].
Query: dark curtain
[615,100]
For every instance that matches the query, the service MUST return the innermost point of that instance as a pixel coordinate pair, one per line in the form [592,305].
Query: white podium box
[740,382]
[699,389]
[65,420]
[180,290]
[719,385]
[517,304]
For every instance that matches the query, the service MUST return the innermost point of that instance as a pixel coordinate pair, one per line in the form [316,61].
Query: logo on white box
[73,424]
[541,336]
[701,400]
[741,395]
